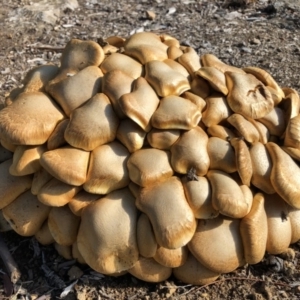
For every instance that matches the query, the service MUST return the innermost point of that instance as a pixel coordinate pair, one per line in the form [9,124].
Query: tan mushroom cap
[107,169]
[149,166]
[11,186]
[244,127]
[262,166]
[198,195]
[131,135]
[190,60]
[275,121]
[26,160]
[292,152]
[115,84]
[107,233]
[248,96]
[195,156]
[221,155]
[221,132]
[110,49]
[291,103]
[82,200]
[217,110]
[243,160]
[8,146]
[197,100]
[76,254]
[215,78]
[116,41]
[254,231]
[172,219]
[193,272]
[39,117]
[145,47]
[169,40]
[264,134]
[57,137]
[75,90]
[227,196]
[292,133]
[26,214]
[92,124]
[176,113]
[294,216]
[200,86]
[285,175]
[265,78]
[146,241]
[64,251]
[171,257]
[67,164]
[248,196]
[40,178]
[43,235]
[140,104]
[162,138]
[217,244]
[57,193]
[78,55]
[174,52]
[279,225]
[124,63]
[63,225]
[210,60]
[177,67]
[147,269]
[164,80]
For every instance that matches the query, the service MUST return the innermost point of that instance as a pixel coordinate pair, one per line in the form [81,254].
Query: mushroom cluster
[140,156]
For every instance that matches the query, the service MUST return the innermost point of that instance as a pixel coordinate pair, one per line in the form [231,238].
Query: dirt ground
[242,33]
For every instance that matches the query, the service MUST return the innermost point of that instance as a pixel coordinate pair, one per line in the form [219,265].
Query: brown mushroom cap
[26,214]
[107,234]
[254,231]
[67,164]
[63,225]
[149,166]
[43,235]
[217,244]
[107,169]
[39,117]
[172,219]
[40,178]
[149,270]
[193,272]
[190,60]
[171,257]
[162,138]
[92,124]
[57,137]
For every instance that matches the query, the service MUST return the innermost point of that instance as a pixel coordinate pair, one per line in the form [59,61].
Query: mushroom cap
[40,178]
[172,219]
[149,166]
[164,80]
[63,225]
[73,91]
[193,272]
[217,244]
[67,164]
[190,60]
[43,235]
[162,138]
[146,241]
[200,86]
[147,269]
[221,132]
[292,133]
[107,169]
[4,225]
[57,193]
[176,66]
[190,151]
[294,216]
[248,96]
[26,214]
[197,100]
[57,138]
[26,160]
[254,231]
[11,186]
[107,233]
[39,117]
[92,124]
[171,257]
[176,113]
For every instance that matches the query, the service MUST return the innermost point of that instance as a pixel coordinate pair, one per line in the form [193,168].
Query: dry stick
[9,263]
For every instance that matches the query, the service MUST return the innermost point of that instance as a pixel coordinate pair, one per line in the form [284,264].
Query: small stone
[150,15]
[75,273]
[256,41]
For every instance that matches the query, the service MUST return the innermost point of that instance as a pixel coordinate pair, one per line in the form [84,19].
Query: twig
[46,47]
[9,263]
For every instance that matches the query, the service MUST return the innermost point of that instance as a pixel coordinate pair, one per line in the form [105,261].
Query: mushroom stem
[9,263]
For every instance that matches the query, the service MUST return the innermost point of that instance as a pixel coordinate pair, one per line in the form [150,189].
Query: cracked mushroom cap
[171,217]
[40,116]
[107,233]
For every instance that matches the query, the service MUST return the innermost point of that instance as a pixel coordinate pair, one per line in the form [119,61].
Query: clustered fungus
[142,157]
